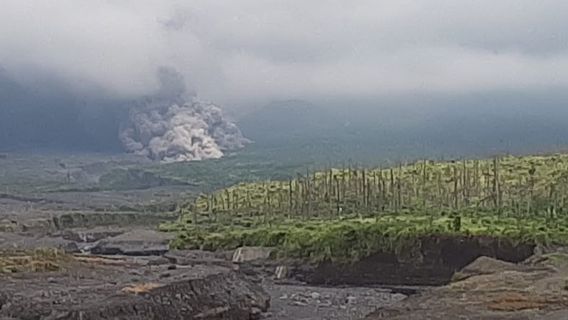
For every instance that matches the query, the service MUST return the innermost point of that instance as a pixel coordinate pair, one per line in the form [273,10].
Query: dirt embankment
[489,289]
[433,261]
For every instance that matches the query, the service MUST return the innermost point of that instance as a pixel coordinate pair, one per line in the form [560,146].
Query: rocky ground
[129,273]
[90,288]
[87,286]
[46,201]
[314,303]
[117,266]
[137,277]
[489,289]
[106,261]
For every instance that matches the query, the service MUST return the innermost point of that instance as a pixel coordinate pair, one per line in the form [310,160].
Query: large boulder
[221,296]
[91,235]
[492,289]
[135,243]
[486,265]
[251,254]
[195,257]
[97,288]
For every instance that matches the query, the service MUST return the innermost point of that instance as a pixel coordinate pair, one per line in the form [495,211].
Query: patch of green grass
[38,260]
[353,238]
[348,213]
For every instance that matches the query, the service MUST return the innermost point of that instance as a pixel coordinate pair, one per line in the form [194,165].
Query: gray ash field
[60,201]
[79,239]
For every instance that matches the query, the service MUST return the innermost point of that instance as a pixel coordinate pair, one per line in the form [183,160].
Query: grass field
[349,213]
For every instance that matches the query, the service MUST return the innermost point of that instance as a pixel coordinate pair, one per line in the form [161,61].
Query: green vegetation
[350,213]
[351,239]
[516,185]
[203,176]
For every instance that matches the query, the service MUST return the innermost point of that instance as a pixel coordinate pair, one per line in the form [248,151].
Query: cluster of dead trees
[423,185]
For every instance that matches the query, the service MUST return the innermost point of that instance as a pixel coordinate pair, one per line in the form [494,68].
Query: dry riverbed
[83,284]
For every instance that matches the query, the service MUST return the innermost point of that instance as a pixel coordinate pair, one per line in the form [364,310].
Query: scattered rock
[193,257]
[250,254]
[281,272]
[491,289]
[70,247]
[224,295]
[554,260]
[158,261]
[3,299]
[485,265]
[90,235]
[135,243]
[36,226]
[7,225]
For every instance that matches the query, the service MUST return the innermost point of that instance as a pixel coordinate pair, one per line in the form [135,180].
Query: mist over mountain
[47,115]
[292,121]
[471,126]
[379,78]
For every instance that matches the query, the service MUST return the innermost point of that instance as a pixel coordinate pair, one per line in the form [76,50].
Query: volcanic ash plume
[180,132]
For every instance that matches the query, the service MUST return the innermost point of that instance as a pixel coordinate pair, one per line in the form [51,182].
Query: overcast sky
[245,52]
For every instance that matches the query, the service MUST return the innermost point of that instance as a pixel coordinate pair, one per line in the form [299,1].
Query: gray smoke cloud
[193,130]
[175,126]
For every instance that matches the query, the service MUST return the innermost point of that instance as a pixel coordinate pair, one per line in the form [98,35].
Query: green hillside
[350,212]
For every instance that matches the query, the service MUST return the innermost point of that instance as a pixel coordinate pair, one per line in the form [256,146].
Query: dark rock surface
[536,289]
[91,235]
[220,296]
[96,288]
[486,265]
[196,257]
[135,243]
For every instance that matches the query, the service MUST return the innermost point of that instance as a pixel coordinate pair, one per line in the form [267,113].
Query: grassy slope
[354,238]
[523,185]
[527,203]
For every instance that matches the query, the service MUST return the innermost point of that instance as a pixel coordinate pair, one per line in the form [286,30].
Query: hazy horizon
[70,71]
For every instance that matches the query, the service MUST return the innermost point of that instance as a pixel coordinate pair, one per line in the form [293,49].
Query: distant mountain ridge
[298,129]
[286,121]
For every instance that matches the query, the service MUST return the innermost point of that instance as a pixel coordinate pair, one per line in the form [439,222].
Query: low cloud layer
[239,53]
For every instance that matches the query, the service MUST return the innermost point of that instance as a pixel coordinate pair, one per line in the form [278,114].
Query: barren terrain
[73,248]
